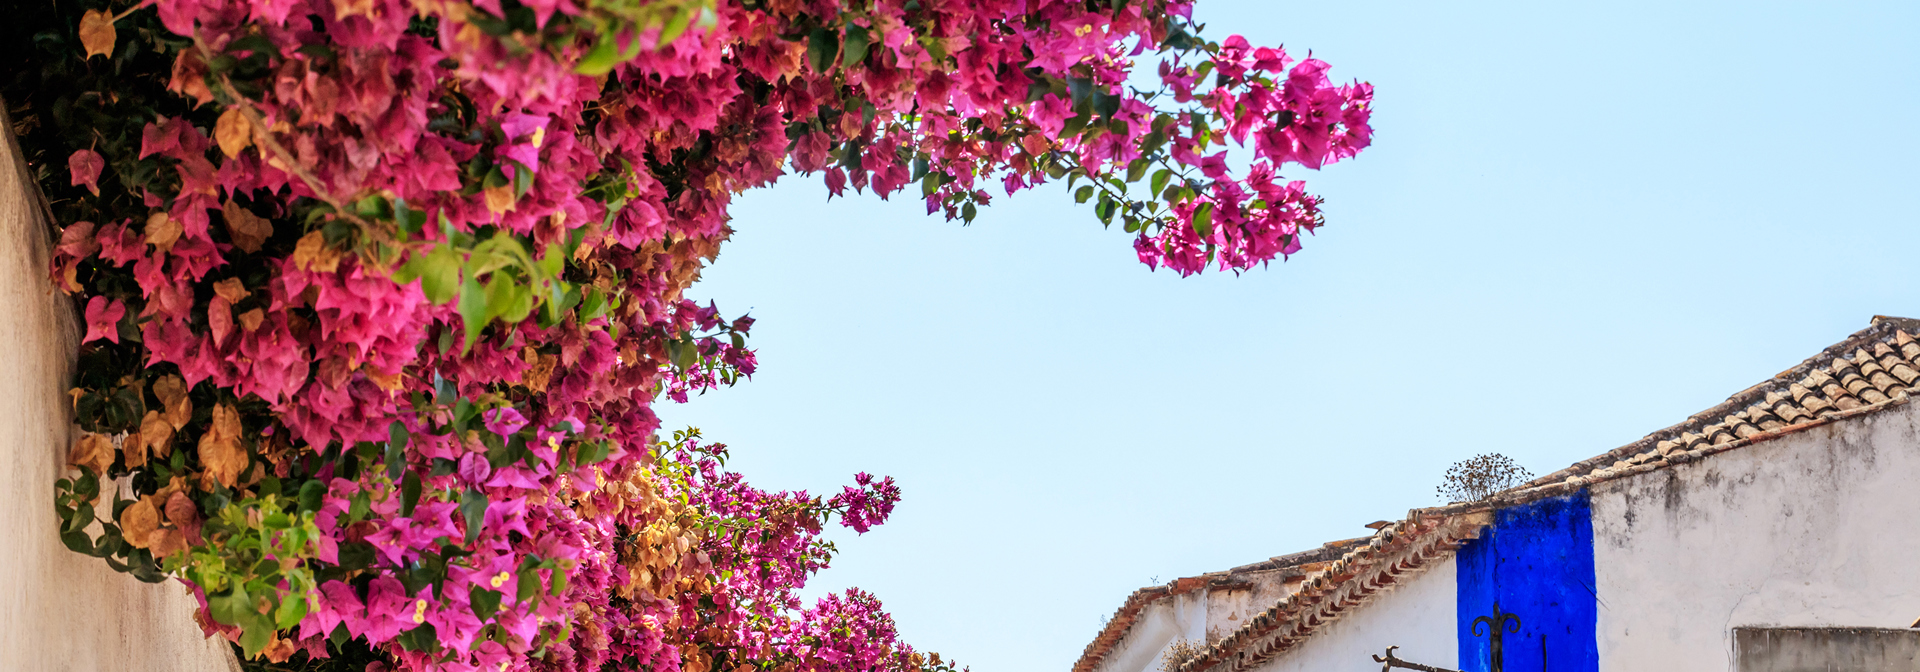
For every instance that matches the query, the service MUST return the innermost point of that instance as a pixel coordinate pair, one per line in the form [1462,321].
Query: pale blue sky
[1580,222]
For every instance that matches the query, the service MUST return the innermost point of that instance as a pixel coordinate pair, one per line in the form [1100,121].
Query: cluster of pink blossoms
[419,265]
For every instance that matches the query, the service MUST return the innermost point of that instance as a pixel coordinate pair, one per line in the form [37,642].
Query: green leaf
[1203,220]
[1137,169]
[968,211]
[255,634]
[676,25]
[409,494]
[856,46]
[1082,194]
[1105,104]
[603,57]
[77,541]
[553,260]
[473,311]
[396,447]
[1080,90]
[485,602]
[422,638]
[682,353]
[231,607]
[291,610]
[594,305]
[1160,178]
[507,299]
[822,45]
[1105,209]
[1075,125]
[312,494]
[529,585]
[473,505]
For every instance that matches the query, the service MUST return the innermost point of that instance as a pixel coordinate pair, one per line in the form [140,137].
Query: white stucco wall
[61,611]
[1156,629]
[1418,616]
[1810,529]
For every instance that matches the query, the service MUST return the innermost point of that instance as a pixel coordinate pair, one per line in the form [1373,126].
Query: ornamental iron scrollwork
[1497,625]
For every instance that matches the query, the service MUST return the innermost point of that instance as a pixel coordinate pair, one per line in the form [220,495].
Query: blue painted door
[1537,564]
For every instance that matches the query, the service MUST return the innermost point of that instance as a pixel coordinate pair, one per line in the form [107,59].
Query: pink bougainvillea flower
[504,421]
[85,166]
[103,319]
[563,532]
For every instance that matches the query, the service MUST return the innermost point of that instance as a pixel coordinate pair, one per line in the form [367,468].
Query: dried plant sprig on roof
[1480,477]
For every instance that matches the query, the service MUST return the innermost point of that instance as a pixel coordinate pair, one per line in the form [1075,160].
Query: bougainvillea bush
[380,294]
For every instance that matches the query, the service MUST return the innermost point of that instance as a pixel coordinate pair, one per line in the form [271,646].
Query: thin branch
[264,135]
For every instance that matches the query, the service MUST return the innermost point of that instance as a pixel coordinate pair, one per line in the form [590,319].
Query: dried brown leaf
[541,373]
[156,433]
[190,77]
[314,254]
[133,449]
[93,452]
[247,229]
[172,391]
[233,132]
[230,289]
[499,199]
[389,383]
[220,451]
[97,33]
[164,542]
[138,522]
[251,319]
[182,514]
[279,650]
[162,231]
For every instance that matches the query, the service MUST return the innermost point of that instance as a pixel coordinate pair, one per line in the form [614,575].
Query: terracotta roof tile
[1877,366]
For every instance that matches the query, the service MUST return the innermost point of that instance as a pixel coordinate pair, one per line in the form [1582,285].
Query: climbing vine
[379,294]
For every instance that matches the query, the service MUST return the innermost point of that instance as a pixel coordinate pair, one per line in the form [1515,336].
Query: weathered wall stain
[1805,530]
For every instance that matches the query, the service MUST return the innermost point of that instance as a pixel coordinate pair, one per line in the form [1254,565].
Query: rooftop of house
[1874,369]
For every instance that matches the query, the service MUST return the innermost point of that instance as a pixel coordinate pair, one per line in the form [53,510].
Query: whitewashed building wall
[61,611]
[1809,529]
[1417,616]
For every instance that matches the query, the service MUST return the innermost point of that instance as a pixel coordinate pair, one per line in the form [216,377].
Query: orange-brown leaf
[162,231]
[389,383]
[247,229]
[92,451]
[138,522]
[133,449]
[230,289]
[97,33]
[190,77]
[541,373]
[156,434]
[233,132]
[251,319]
[312,253]
[220,451]
[279,650]
[499,199]
[164,542]
[172,391]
